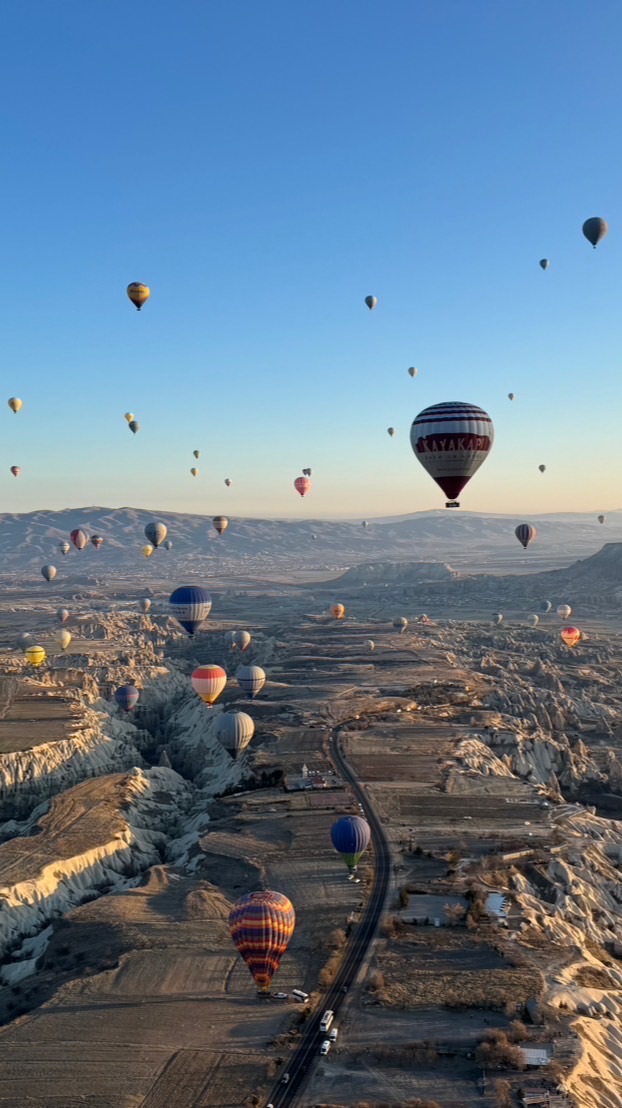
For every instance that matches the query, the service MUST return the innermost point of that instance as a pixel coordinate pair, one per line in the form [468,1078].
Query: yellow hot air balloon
[138,294]
[148,550]
[129,416]
[338,611]
[15,404]
[36,655]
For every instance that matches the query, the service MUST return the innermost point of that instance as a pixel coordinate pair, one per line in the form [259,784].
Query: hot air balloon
[97,541]
[564,610]
[144,605]
[542,469]
[194,472]
[220,524]
[365,523]
[571,636]
[235,730]
[307,472]
[370,644]
[196,454]
[412,371]
[400,624]
[391,431]
[49,572]
[134,426]
[79,538]
[190,605]
[64,547]
[601,519]
[168,545]
[371,302]
[338,611]
[350,836]
[15,404]
[595,230]
[138,294]
[251,680]
[129,416]
[62,615]
[261,926]
[36,655]
[62,638]
[497,619]
[148,550]
[229,638]
[127,697]
[451,441]
[510,396]
[24,640]
[534,620]
[544,263]
[228,482]
[156,533]
[208,682]
[16,470]
[242,639]
[302,485]
[546,606]
[525,534]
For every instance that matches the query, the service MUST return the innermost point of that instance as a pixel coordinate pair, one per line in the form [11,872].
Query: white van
[325,1047]
[327,1019]
[298,994]
[333,1035]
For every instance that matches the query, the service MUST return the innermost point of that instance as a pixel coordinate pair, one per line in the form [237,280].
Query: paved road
[362,936]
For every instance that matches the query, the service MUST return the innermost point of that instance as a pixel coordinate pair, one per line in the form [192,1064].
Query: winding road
[361,938]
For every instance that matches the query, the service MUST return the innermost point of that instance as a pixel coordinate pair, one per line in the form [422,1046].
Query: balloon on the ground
[134,426]
[525,534]
[351,836]
[564,610]
[251,680]
[451,441]
[64,547]
[62,638]
[371,302]
[127,697]
[16,470]
[242,639]
[138,294]
[220,524]
[144,604]
[190,605]
[62,615]
[235,730]
[571,636]
[49,572]
[15,404]
[595,230]
[79,538]
[156,532]
[261,926]
[302,485]
[544,263]
[36,655]
[338,611]
[208,682]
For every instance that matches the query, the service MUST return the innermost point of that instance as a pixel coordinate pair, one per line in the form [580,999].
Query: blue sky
[263,167]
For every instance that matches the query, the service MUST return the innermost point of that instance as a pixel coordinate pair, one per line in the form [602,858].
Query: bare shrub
[503,1093]
[376,981]
[517,1032]
[497,1052]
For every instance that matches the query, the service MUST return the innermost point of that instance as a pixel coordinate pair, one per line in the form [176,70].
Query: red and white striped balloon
[302,485]
[208,682]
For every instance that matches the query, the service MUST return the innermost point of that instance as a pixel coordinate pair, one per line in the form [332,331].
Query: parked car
[325,1047]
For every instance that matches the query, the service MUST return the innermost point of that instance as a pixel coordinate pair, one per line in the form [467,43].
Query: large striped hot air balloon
[127,697]
[220,524]
[571,636]
[564,610]
[525,534]
[350,836]
[64,547]
[208,682]
[451,441]
[251,680]
[79,538]
[191,605]
[235,730]
[261,926]
[156,532]
[302,485]
[400,624]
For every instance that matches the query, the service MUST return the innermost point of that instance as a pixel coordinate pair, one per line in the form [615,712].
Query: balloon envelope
[338,611]
[251,680]
[62,638]
[451,441]
[525,534]
[534,620]
[97,541]
[190,605]
[510,396]
[546,606]
[261,926]
[400,624]
[242,639]
[542,469]
[36,655]
[544,263]
[370,644]
[79,538]
[194,471]
[371,302]
[350,836]
[129,416]
[601,519]
[15,404]
[220,524]
[497,619]
[196,453]
[62,615]
[564,610]
[230,639]
[412,371]
[144,604]
[168,545]
[156,532]
[391,431]
[235,730]
[64,547]
[148,550]
[302,485]
[138,294]
[16,470]
[127,697]
[571,636]
[208,682]
[134,426]
[595,230]
[228,482]
[49,572]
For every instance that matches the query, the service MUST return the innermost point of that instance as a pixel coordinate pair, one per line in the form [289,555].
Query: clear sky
[265,165]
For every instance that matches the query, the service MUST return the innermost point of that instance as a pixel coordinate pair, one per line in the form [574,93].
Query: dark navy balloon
[191,605]
[127,697]
[350,836]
